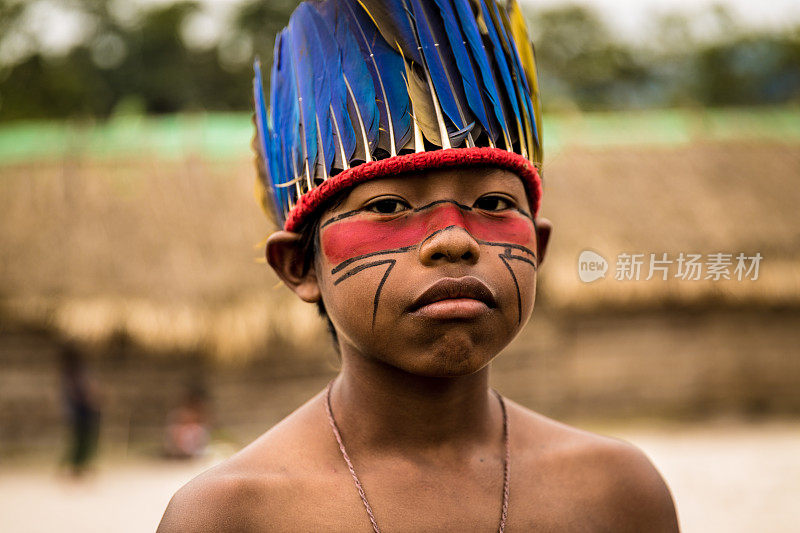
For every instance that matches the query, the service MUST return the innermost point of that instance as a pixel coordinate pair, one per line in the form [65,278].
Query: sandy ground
[727,478]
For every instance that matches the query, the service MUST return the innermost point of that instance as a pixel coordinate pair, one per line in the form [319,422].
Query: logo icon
[591,266]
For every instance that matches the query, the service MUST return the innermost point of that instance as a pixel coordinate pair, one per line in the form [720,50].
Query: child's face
[432,273]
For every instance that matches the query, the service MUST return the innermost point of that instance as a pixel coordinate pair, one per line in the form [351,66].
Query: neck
[380,407]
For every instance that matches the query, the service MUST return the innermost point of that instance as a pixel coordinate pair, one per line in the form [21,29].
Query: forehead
[463,184]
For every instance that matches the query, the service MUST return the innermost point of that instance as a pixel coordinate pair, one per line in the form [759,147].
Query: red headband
[313,200]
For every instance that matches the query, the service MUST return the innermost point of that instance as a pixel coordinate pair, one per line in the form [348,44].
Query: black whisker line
[363,267]
[509,245]
[380,288]
[520,258]
[516,284]
[344,264]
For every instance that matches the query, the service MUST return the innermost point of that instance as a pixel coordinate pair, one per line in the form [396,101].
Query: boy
[424,261]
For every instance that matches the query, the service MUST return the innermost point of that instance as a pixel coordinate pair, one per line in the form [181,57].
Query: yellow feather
[519,32]
[260,193]
[424,111]
[527,142]
[476,8]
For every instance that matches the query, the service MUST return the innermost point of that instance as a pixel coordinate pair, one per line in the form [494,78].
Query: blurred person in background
[187,432]
[81,402]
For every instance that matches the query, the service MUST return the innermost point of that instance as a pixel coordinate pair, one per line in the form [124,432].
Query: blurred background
[142,338]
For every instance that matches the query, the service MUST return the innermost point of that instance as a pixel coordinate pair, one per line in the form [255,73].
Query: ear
[285,257]
[543,229]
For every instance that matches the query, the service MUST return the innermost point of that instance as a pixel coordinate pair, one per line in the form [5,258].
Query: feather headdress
[365,88]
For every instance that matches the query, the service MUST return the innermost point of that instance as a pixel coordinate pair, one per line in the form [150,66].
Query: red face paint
[346,239]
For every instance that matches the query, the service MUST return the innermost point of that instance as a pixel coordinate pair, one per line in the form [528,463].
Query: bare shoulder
[249,491]
[611,484]
[217,500]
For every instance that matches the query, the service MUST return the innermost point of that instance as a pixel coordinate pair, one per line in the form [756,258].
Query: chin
[448,357]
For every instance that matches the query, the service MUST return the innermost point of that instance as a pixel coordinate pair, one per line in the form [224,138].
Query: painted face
[442,264]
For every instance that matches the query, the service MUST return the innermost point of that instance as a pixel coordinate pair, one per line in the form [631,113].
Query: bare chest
[414,501]
[400,499]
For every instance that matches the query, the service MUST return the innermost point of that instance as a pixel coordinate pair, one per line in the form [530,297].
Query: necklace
[504,512]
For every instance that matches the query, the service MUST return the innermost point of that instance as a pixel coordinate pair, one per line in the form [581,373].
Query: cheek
[511,229]
[356,238]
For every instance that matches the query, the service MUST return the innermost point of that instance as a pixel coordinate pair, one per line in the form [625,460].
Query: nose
[452,244]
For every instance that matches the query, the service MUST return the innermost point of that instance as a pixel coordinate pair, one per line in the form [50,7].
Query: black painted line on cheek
[504,257]
[516,284]
[521,258]
[509,245]
[347,262]
[361,268]
[380,288]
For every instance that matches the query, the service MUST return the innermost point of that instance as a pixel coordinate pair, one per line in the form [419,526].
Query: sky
[630,17]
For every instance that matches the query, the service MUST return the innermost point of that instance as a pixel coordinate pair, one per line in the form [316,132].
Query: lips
[465,297]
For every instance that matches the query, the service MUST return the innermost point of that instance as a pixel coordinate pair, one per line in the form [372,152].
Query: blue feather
[386,68]
[441,65]
[304,86]
[467,68]
[285,108]
[266,135]
[314,86]
[502,65]
[335,117]
[356,82]
[470,28]
[395,23]
[262,123]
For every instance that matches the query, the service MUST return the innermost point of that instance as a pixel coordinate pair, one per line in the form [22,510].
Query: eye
[493,202]
[387,206]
